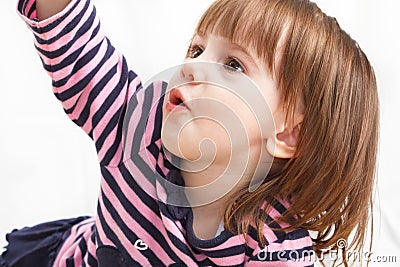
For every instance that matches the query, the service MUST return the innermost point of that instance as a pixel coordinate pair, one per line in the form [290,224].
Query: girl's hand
[48,8]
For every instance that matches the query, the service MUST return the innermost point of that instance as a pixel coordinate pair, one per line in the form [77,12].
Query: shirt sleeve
[89,77]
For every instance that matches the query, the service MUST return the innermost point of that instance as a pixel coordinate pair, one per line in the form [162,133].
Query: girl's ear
[284,143]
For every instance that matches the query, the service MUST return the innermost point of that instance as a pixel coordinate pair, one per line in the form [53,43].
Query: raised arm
[48,8]
[89,76]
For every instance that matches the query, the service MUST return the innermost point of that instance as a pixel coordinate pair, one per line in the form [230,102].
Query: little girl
[314,109]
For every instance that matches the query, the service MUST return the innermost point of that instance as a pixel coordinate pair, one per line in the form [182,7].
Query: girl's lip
[176,101]
[172,107]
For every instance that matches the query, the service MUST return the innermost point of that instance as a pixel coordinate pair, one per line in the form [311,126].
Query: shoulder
[277,232]
[281,245]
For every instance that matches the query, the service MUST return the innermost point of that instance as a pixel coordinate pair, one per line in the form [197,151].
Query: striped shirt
[132,227]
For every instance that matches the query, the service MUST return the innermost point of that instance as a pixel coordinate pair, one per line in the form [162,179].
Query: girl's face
[221,105]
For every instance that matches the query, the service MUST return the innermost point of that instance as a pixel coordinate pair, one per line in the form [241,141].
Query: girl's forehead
[253,35]
[246,48]
[265,26]
[228,43]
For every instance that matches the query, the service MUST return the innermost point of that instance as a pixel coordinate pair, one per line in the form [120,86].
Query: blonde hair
[331,177]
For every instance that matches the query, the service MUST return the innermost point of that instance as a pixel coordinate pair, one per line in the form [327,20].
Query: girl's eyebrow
[244,51]
[199,35]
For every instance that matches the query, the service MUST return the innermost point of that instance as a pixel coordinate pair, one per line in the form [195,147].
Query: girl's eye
[195,51]
[234,65]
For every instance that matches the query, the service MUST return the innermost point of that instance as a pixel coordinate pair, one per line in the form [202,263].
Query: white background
[48,167]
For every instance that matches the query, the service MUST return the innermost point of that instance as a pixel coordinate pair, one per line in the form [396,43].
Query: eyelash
[195,48]
[192,49]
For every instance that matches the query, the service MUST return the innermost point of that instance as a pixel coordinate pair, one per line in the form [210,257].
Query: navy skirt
[38,245]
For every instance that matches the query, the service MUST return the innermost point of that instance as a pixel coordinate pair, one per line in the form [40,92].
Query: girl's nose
[194,71]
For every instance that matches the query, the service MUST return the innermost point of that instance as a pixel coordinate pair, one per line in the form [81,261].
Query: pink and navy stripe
[132,228]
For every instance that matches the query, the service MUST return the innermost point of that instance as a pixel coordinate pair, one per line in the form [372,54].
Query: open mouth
[176,101]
